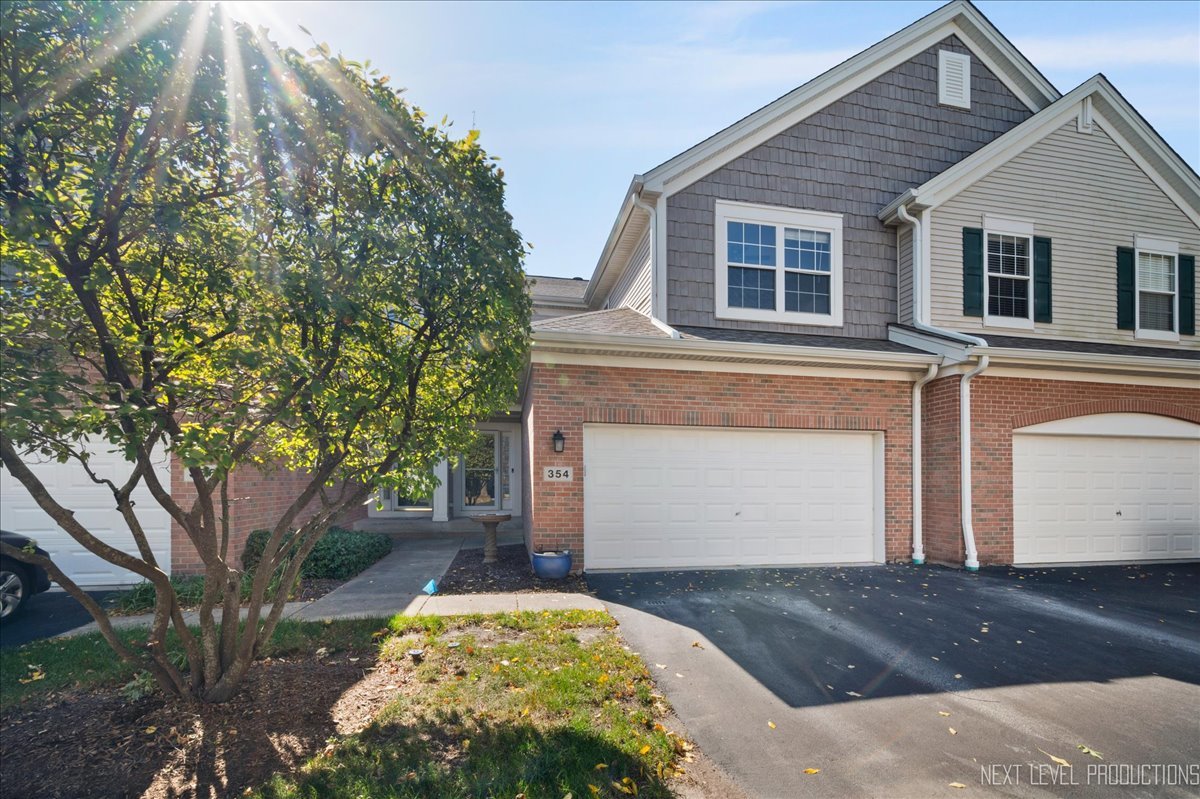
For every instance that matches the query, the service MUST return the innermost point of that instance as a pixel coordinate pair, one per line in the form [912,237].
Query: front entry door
[481,473]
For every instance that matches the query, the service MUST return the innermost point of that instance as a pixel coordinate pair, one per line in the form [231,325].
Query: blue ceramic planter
[551,565]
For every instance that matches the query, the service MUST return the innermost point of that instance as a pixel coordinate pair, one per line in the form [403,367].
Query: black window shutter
[1187,295]
[1042,290]
[972,239]
[1125,288]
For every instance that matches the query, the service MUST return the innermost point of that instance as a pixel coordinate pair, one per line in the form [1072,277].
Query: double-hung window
[1157,287]
[778,264]
[1008,259]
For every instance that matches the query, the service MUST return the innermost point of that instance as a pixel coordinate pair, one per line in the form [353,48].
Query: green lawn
[543,705]
[539,704]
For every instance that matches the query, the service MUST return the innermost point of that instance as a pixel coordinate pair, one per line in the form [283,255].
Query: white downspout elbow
[919,266]
[918,554]
[964,463]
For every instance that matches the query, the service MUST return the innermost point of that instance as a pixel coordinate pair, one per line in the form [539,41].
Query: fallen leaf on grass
[812,771]
[601,766]
[602,678]
[150,730]
[1057,760]
[644,749]
[594,788]
[1089,751]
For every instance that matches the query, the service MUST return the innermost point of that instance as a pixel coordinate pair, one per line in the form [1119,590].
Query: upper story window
[1009,264]
[778,264]
[1157,288]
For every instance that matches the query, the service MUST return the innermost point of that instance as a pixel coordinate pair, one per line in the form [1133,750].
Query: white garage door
[682,497]
[95,509]
[1109,487]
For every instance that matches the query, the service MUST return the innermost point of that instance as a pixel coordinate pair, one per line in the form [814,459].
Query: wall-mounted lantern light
[559,440]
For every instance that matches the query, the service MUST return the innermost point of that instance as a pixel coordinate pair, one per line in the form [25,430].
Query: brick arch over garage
[1113,405]
[1000,405]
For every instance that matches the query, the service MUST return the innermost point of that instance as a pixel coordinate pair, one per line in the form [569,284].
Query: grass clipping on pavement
[543,704]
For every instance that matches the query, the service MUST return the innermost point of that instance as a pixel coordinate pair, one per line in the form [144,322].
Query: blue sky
[575,98]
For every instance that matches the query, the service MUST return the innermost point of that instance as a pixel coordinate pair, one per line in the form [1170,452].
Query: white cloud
[1097,51]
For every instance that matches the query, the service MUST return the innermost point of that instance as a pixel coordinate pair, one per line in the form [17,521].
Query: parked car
[19,581]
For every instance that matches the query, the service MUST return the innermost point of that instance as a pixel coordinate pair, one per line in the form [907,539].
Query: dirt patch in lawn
[99,744]
[511,573]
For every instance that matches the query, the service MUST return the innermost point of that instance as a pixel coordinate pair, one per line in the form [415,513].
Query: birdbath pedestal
[490,521]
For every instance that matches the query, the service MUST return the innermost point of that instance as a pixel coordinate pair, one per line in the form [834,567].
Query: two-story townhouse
[922,306]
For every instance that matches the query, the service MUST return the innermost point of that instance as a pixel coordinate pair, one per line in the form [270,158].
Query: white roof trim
[1171,175]
[563,341]
[958,18]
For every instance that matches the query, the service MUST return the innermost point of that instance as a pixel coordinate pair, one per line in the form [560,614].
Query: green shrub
[339,555]
[190,591]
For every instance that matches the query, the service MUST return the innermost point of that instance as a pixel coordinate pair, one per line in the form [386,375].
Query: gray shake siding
[852,157]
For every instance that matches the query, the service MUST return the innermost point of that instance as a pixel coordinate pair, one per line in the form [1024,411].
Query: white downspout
[920,265]
[964,462]
[918,555]
[655,301]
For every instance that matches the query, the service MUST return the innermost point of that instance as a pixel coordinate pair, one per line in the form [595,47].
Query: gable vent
[954,79]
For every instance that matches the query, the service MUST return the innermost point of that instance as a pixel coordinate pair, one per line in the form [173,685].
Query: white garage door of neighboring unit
[95,509]
[1110,487]
[683,497]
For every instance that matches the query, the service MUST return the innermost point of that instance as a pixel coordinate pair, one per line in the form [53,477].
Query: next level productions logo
[1113,775]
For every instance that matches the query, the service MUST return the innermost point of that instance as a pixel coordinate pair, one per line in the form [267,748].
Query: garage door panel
[737,498]
[1080,498]
[94,507]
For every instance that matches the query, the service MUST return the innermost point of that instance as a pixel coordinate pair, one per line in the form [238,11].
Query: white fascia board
[614,236]
[999,152]
[952,351]
[1098,361]
[957,18]
[992,156]
[725,350]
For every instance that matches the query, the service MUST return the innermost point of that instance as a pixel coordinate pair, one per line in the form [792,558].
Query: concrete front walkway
[395,585]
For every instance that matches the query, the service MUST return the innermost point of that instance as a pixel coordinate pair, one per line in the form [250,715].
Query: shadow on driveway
[45,616]
[898,630]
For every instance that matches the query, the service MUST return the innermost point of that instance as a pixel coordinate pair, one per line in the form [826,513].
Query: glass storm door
[480,473]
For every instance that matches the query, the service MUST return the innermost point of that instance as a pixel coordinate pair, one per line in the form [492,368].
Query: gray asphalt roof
[564,287]
[613,322]
[793,339]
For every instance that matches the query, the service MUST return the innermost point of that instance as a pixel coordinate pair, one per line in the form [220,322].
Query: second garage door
[1109,487]
[688,497]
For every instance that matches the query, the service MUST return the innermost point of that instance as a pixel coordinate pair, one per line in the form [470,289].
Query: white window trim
[728,211]
[946,57]
[1156,246]
[1001,226]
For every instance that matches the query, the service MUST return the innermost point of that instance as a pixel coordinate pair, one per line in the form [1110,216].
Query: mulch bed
[310,589]
[99,744]
[510,573]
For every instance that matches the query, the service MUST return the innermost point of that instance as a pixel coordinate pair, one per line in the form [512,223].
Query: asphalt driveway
[898,681]
[45,616]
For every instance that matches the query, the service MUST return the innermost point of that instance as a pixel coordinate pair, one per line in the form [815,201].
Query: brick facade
[1000,405]
[565,397]
[257,500]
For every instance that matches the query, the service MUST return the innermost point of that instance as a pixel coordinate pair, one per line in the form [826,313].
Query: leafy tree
[250,258]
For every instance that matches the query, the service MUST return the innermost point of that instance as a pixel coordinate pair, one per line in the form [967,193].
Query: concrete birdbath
[490,521]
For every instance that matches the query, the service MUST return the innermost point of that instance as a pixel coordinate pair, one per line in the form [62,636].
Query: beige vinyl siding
[905,275]
[1086,195]
[633,289]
